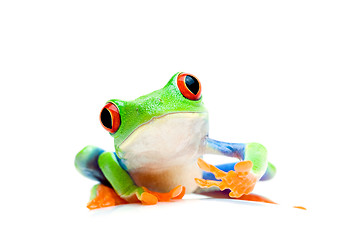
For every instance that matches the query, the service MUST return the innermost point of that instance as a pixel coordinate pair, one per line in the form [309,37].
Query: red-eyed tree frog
[159,140]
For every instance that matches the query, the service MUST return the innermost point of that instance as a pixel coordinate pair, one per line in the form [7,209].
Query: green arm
[119,179]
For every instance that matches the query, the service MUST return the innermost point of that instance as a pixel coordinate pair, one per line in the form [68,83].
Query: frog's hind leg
[86,162]
[254,152]
[239,177]
[102,195]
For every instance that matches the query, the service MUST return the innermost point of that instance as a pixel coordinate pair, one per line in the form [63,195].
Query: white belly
[163,152]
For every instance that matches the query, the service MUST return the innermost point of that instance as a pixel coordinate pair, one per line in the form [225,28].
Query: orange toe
[219,174]
[203,165]
[181,192]
[244,166]
[207,183]
[148,198]
[176,193]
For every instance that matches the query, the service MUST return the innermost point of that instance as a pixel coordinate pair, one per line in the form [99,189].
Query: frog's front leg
[121,182]
[240,177]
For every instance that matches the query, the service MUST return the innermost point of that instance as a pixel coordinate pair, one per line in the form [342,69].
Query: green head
[182,94]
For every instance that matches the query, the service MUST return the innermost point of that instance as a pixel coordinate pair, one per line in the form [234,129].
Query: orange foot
[105,197]
[176,193]
[241,181]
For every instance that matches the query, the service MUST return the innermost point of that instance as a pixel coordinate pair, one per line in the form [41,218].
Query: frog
[160,140]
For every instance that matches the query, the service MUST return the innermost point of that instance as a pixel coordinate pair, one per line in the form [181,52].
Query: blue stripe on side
[228,149]
[121,162]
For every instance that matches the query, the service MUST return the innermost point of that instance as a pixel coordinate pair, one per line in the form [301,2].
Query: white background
[282,73]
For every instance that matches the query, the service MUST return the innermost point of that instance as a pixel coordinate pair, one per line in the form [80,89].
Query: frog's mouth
[169,140]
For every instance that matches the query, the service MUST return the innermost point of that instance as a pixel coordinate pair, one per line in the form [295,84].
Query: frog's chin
[175,139]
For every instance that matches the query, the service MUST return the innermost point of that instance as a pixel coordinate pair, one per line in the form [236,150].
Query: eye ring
[110,118]
[189,86]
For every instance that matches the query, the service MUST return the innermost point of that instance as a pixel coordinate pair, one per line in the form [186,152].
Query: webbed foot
[241,181]
[104,197]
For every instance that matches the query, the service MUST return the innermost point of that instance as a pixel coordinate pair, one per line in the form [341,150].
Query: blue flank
[121,162]
[228,149]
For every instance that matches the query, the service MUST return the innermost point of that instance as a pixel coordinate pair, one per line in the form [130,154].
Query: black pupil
[192,84]
[106,118]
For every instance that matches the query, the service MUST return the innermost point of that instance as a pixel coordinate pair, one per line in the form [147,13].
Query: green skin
[139,112]
[158,103]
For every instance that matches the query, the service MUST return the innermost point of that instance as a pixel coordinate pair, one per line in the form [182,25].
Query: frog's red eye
[110,118]
[189,86]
